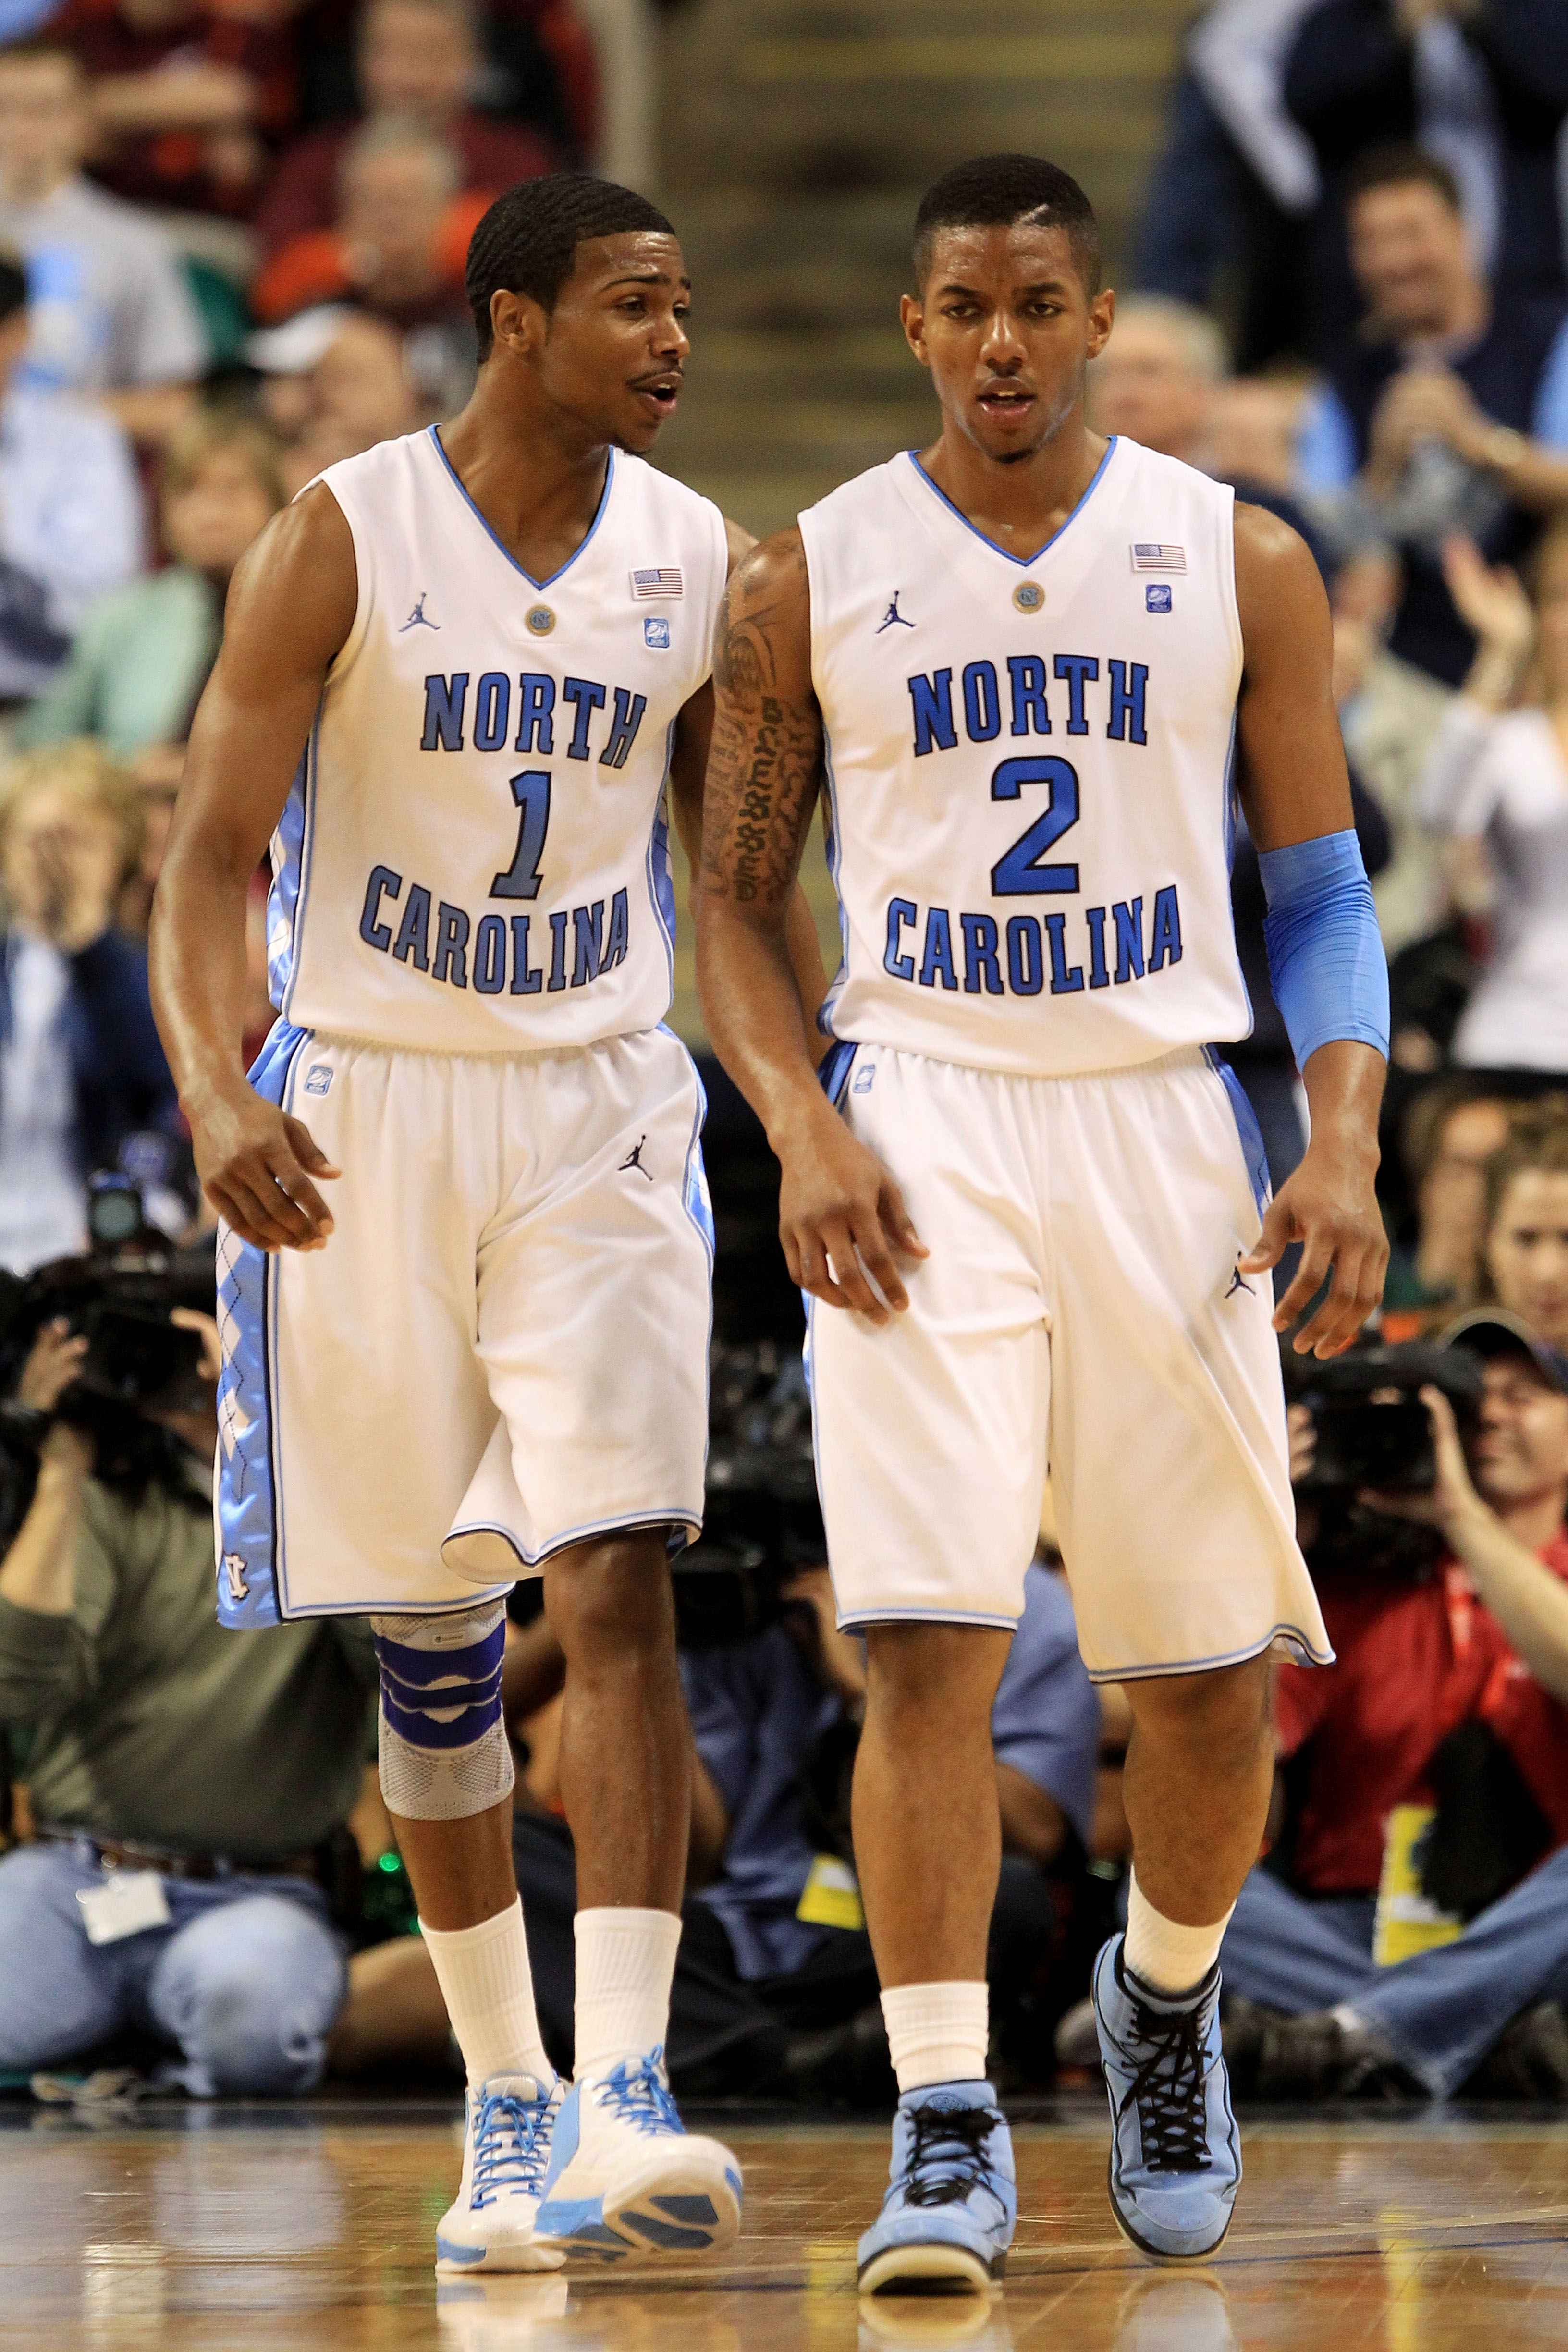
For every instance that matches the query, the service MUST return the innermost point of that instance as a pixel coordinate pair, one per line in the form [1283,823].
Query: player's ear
[1101,317]
[913,318]
[517,321]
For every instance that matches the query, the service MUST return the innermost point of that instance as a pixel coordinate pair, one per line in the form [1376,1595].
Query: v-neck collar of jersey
[583,545]
[1021,563]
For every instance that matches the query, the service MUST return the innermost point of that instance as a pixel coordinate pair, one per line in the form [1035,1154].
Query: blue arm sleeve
[1326,963]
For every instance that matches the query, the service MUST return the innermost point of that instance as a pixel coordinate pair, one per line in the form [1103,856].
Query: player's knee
[444,1752]
[1223,1714]
[612,1601]
[949,1669]
[252,2000]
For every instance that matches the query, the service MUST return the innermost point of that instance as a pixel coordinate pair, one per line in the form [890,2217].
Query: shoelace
[1169,2088]
[509,2148]
[636,2093]
[948,2159]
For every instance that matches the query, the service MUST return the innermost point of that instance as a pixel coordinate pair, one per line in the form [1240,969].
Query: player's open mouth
[661,393]
[1005,400]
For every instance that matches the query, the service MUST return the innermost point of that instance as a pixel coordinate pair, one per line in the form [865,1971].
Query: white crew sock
[488,1987]
[937,2032]
[625,1963]
[1165,1955]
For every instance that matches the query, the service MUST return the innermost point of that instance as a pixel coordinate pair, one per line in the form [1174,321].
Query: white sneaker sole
[664,2208]
[456,2259]
[934,2267]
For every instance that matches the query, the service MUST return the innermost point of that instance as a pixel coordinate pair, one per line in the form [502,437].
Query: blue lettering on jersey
[447,713]
[1035,952]
[934,714]
[492,954]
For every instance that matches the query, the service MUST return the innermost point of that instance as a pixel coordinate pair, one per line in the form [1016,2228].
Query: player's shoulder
[375,472]
[639,485]
[1150,473]
[877,490]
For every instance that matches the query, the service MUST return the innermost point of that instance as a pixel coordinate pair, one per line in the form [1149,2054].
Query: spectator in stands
[71,508]
[1497,784]
[1447,1688]
[417,59]
[333,383]
[1448,411]
[1525,1256]
[189,99]
[81,1064]
[1450,1133]
[398,249]
[142,655]
[1165,379]
[113,318]
[184,1780]
[1483,87]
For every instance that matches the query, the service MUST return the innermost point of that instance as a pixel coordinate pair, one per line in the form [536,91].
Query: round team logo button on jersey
[1028,595]
[540,621]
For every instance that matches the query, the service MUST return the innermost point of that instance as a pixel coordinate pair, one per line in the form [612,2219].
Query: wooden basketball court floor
[312,2227]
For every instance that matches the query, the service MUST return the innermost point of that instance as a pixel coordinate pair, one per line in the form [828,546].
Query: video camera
[1373,1429]
[762,1519]
[118,1294]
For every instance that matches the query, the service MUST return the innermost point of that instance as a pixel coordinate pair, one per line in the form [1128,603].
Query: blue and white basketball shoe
[952,2206]
[507,2133]
[1176,2153]
[627,2178]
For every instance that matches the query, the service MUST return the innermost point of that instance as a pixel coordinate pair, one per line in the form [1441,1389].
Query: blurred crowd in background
[231,253]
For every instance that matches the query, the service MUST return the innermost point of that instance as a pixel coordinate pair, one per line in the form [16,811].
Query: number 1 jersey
[474,856]
[1028,766]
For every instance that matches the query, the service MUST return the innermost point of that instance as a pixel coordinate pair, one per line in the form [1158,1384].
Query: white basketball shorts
[1080,1311]
[501,1350]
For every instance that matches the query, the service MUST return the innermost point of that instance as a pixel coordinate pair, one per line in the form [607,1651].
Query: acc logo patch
[318,1078]
[1157,596]
[657,633]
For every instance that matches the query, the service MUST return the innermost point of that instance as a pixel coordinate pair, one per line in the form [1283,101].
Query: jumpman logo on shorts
[418,619]
[1237,1283]
[893,617]
[634,1160]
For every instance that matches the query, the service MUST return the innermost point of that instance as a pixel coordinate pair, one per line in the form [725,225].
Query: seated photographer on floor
[188,1785]
[1430,1760]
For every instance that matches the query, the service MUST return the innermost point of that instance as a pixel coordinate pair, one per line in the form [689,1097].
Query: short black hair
[527,242]
[996,190]
[13,285]
[1398,166]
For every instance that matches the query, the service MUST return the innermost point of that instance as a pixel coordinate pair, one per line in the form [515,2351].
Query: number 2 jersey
[474,855]
[1028,768]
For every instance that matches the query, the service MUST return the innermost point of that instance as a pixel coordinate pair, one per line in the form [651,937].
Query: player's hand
[1328,1205]
[255,1165]
[843,1222]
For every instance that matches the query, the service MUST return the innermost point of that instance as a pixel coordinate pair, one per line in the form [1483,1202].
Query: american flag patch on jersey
[1158,555]
[662,579]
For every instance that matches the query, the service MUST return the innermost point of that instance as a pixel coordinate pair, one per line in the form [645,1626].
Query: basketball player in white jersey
[465,1243]
[1021,669]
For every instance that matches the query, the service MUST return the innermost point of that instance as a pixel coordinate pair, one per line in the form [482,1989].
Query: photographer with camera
[1417,1937]
[189,1786]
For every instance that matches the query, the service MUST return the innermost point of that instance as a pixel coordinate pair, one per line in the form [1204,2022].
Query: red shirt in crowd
[180,170]
[1412,1663]
[302,195]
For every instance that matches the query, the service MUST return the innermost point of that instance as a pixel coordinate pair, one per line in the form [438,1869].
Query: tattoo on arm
[765,763]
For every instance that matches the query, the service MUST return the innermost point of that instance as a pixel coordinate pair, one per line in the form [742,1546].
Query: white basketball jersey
[474,857]
[1028,770]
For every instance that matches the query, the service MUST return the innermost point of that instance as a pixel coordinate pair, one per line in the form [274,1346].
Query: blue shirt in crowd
[758,1710]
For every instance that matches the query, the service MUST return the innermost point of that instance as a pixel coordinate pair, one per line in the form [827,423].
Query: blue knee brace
[444,1749]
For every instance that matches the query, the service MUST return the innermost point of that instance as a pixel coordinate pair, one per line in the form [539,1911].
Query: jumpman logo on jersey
[1237,1283]
[634,1160]
[893,618]
[417,618]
